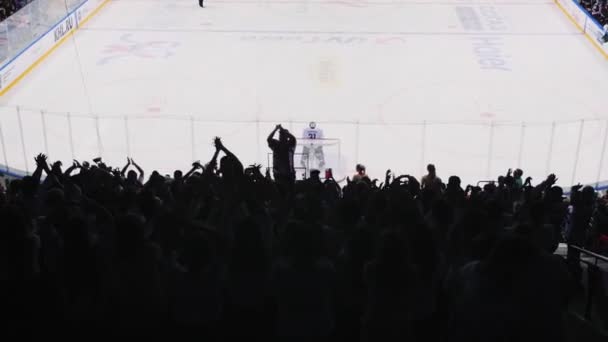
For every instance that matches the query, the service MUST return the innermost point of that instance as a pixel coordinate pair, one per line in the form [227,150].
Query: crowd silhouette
[226,251]
[598,9]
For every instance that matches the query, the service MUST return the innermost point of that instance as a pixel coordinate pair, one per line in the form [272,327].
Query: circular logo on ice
[130,47]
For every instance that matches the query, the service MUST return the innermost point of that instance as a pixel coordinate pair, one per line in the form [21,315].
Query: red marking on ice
[487,115]
[154,109]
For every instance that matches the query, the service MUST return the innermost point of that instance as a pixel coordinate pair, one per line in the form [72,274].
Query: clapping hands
[217,141]
[41,160]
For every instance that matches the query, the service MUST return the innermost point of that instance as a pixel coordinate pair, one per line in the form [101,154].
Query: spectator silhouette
[225,252]
[283,150]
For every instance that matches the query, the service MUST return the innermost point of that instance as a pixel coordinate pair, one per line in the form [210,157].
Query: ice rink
[475,87]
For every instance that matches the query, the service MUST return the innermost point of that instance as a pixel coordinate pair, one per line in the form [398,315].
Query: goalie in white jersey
[313,147]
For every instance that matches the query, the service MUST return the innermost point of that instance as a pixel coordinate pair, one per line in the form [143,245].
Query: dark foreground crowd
[226,251]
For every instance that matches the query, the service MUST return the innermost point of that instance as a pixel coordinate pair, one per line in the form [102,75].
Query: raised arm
[40,165]
[68,171]
[195,166]
[387,178]
[124,169]
[213,162]
[139,169]
[220,147]
[274,131]
[42,159]
[574,194]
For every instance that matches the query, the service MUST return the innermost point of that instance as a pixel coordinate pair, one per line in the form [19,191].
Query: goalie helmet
[312,125]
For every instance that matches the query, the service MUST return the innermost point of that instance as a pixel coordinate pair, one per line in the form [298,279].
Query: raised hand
[257,171]
[40,159]
[388,173]
[217,141]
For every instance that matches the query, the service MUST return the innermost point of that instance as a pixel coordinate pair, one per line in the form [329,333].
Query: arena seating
[598,9]
[225,251]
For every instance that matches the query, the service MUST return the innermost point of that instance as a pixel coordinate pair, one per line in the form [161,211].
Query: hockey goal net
[316,154]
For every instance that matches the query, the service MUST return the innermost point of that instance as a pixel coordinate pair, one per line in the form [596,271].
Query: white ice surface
[398,82]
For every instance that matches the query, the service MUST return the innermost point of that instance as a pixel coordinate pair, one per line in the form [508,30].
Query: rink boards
[586,23]
[16,68]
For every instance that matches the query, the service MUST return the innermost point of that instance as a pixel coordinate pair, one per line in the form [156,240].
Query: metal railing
[574,150]
[594,276]
[597,257]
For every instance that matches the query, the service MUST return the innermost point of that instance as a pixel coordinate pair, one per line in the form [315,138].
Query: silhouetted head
[431,169]
[314,175]
[27,186]
[588,194]
[518,173]
[283,135]
[177,175]
[554,194]
[230,168]
[132,176]
[501,180]
[360,169]
[56,168]
[453,182]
